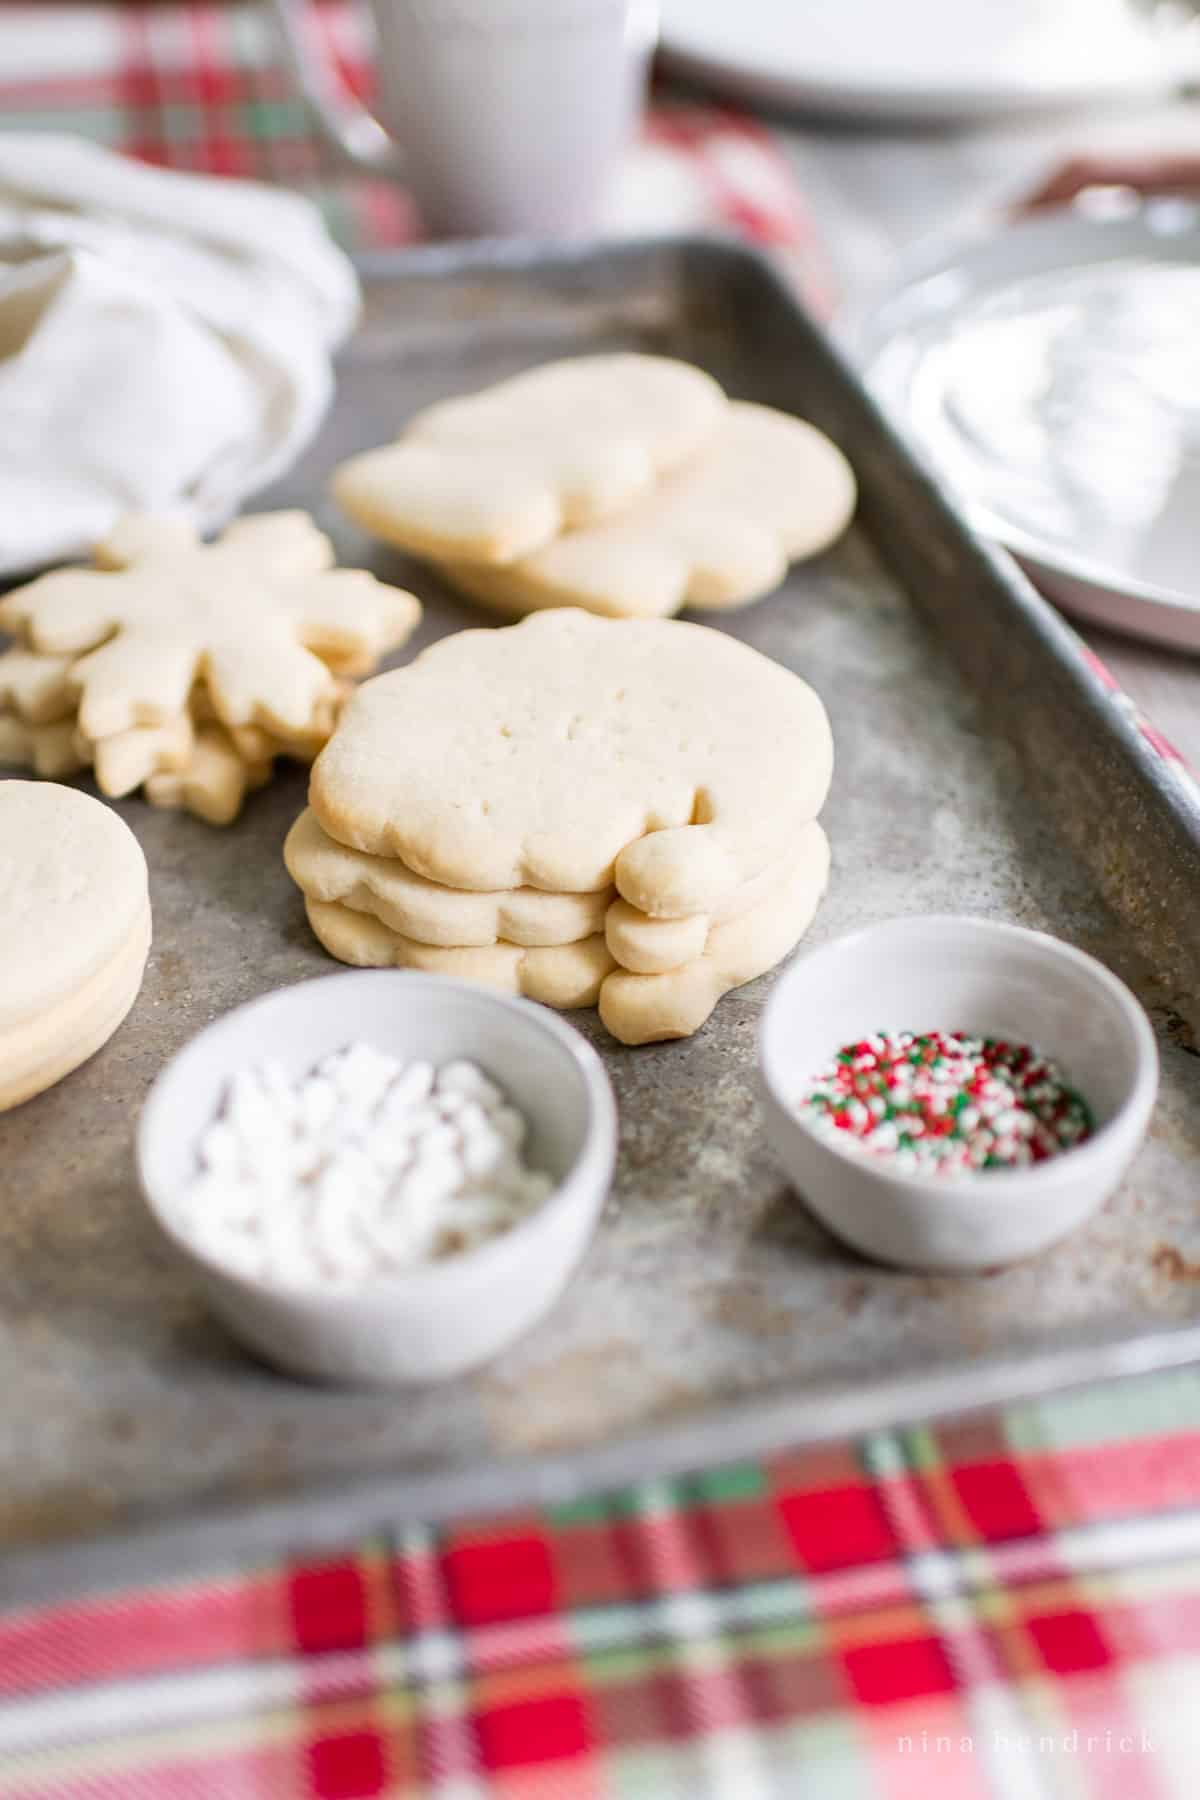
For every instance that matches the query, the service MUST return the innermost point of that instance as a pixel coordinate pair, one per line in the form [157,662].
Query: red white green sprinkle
[942,1103]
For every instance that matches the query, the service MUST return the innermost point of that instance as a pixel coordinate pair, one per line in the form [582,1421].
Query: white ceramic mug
[504,117]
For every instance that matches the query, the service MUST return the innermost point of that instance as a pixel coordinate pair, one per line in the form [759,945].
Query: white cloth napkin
[165,341]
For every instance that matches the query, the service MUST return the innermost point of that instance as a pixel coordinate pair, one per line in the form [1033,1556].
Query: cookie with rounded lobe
[647,946]
[720,532]
[491,476]
[560,975]
[385,889]
[572,753]
[647,1009]
[636,1009]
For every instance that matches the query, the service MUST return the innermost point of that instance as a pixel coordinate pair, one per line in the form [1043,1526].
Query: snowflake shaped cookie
[260,617]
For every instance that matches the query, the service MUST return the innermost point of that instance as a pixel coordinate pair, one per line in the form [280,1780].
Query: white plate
[1051,373]
[921,59]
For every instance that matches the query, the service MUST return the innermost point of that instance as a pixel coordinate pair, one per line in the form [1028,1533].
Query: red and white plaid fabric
[1003,1610]
[202,87]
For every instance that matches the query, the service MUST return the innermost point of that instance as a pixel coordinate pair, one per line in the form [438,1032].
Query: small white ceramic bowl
[988,979]
[448,1316]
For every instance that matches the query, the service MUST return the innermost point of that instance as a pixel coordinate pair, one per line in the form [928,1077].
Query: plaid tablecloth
[1001,1610]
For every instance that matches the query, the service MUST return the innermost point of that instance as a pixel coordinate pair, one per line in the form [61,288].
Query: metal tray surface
[981,767]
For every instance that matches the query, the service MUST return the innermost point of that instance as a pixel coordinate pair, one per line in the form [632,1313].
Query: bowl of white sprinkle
[380,1176]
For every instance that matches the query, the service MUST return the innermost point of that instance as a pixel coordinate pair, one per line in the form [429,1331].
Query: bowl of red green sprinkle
[946,1103]
[954,1093]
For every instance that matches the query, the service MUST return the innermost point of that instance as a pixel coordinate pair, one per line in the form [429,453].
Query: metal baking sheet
[982,767]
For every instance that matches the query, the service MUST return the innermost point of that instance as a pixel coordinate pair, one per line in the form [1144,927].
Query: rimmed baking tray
[982,766]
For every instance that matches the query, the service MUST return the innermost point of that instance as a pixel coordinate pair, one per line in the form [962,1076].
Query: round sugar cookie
[74,932]
[569,752]
[73,885]
[388,891]
[38,1053]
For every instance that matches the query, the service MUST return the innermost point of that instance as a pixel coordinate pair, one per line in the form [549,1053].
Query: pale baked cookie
[124,761]
[252,615]
[35,688]
[491,476]
[567,751]
[720,532]
[38,1053]
[74,931]
[214,781]
[432,914]
[248,638]
[52,751]
[208,769]
[649,946]
[37,727]
[561,975]
[636,1009]
[645,1009]
[254,744]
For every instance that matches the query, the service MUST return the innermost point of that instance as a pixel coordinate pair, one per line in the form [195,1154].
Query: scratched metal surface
[713,1316]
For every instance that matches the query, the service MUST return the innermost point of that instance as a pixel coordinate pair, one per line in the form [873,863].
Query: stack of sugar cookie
[187,668]
[628,485]
[74,932]
[585,811]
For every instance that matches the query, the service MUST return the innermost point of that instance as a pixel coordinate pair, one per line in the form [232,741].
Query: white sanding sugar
[363,1167]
